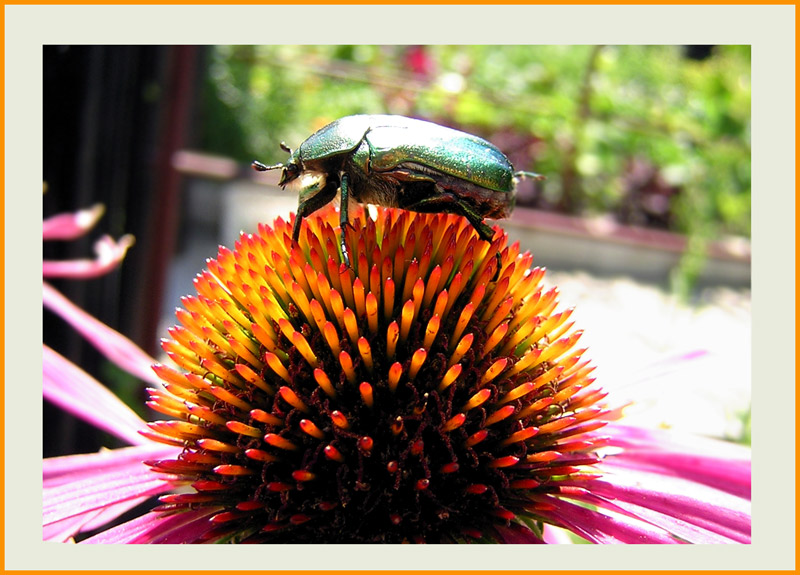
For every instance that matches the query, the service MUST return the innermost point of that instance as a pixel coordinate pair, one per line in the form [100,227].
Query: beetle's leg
[485,232]
[343,216]
[446,202]
[309,206]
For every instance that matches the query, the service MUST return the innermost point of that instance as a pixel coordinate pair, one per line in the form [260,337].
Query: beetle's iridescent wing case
[442,149]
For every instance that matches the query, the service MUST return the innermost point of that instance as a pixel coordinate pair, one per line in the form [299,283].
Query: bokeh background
[643,221]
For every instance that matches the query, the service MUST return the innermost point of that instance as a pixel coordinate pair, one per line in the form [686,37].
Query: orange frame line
[402,3]
[364,2]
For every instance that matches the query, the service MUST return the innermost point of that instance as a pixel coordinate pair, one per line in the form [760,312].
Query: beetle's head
[289,171]
[306,183]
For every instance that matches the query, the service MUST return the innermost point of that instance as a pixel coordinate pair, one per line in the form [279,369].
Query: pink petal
[109,255]
[184,527]
[74,390]
[92,494]
[719,464]
[111,512]
[694,504]
[634,437]
[71,225]
[676,527]
[75,469]
[60,470]
[115,346]
[65,529]
[601,528]
[730,476]
[556,535]
[78,469]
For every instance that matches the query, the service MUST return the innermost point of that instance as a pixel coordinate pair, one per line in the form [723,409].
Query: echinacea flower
[418,397]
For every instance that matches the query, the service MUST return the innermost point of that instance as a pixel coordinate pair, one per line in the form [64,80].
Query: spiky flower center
[417,397]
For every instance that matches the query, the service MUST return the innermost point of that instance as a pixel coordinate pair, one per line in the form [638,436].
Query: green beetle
[400,162]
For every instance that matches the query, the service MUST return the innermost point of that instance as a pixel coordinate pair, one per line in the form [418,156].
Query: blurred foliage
[746,435]
[658,136]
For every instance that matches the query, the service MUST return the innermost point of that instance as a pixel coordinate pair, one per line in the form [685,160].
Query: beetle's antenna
[531,175]
[259,167]
[286,148]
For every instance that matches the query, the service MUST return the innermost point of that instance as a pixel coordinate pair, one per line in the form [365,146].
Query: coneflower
[418,397]
[414,398]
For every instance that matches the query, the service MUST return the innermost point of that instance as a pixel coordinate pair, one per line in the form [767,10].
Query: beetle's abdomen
[484,201]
